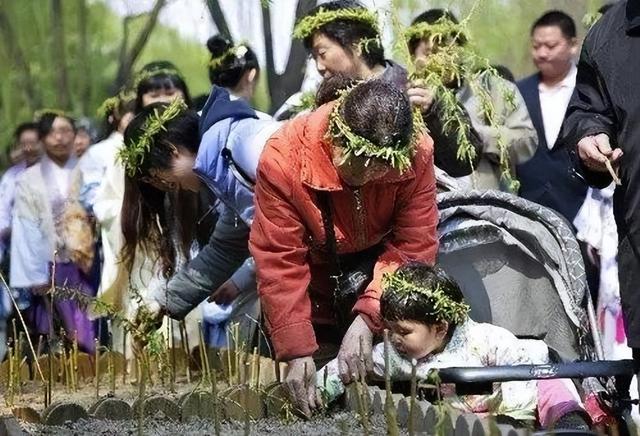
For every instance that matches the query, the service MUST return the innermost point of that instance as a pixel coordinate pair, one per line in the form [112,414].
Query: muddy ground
[341,423]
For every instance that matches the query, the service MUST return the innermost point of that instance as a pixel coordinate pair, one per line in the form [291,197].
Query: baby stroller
[520,267]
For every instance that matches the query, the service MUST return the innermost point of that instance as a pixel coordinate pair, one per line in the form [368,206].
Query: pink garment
[556,398]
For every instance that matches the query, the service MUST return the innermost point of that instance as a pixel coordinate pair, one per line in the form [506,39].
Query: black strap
[324,203]
[237,170]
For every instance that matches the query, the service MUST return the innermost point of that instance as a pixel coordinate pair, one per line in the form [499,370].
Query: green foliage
[31,24]
[454,62]
[444,308]
[132,156]
[398,156]
[309,24]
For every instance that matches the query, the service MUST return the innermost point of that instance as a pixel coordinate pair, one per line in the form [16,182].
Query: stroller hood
[519,266]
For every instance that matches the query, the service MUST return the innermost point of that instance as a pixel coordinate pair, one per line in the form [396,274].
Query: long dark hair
[160,75]
[159,223]
[230,68]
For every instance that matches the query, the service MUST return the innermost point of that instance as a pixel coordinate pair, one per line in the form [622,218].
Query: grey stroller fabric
[519,266]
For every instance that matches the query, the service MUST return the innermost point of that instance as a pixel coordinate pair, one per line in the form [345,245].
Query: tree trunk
[282,86]
[83,57]
[129,56]
[59,55]
[8,35]
[218,19]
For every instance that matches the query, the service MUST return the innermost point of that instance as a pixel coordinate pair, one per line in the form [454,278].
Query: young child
[428,321]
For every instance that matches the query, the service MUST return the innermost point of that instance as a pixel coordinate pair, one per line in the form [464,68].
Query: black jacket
[607,100]
[548,177]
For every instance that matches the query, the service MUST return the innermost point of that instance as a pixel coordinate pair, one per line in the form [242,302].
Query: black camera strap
[324,203]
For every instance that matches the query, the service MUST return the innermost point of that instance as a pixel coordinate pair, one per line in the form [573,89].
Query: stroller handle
[496,374]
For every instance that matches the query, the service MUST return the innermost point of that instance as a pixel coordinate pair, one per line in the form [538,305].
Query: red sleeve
[414,236]
[279,251]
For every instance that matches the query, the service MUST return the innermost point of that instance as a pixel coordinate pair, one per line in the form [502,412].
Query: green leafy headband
[132,155]
[147,74]
[107,106]
[436,32]
[444,308]
[311,23]
[237,51]
[398,156]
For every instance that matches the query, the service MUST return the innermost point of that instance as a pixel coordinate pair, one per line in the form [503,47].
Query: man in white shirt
[547,178]
[554,99]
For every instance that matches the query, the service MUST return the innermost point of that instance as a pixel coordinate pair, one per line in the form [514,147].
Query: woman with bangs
[124,286]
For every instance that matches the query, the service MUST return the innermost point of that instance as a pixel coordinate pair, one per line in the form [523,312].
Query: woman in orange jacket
[361,169]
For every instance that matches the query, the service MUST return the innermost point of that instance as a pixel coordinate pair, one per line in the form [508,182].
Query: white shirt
[553,104]
[61,175]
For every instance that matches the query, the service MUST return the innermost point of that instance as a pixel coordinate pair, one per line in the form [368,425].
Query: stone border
[424,414]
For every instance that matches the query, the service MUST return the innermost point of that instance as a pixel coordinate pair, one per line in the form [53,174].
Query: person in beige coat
[511,127]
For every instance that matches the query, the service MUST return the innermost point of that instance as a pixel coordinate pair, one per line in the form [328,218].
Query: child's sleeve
[519,399]
[329,383]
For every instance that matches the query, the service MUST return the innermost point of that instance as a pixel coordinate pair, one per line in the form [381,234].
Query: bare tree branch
[218,18]
[7,32]
[83,53]
[129,57]
[281,86]
[59,55]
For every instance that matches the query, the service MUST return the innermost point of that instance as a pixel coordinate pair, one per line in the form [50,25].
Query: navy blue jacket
[548,178]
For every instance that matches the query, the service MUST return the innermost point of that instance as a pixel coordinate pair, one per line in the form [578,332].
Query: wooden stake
[124,355]
[172,380]
[111,366]
[11,376]
[412,403]
[236,347]
[361,387]
[204,357]
[390,411]
[142,370]
[40,345]
[97,365]
[214,393]
[613,173]
[75,361]
[185,349]
[255,365]
[229,355]
[247,388]
[19,360]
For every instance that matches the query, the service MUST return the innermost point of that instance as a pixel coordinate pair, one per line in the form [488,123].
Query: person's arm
[30,247]
[515,130]
[278,248]
[589,114]
[414,235]
[245,277]
[446,141]
[108,196]
[214,265]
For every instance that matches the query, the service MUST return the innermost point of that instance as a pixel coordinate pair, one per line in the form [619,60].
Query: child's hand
[354,359]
